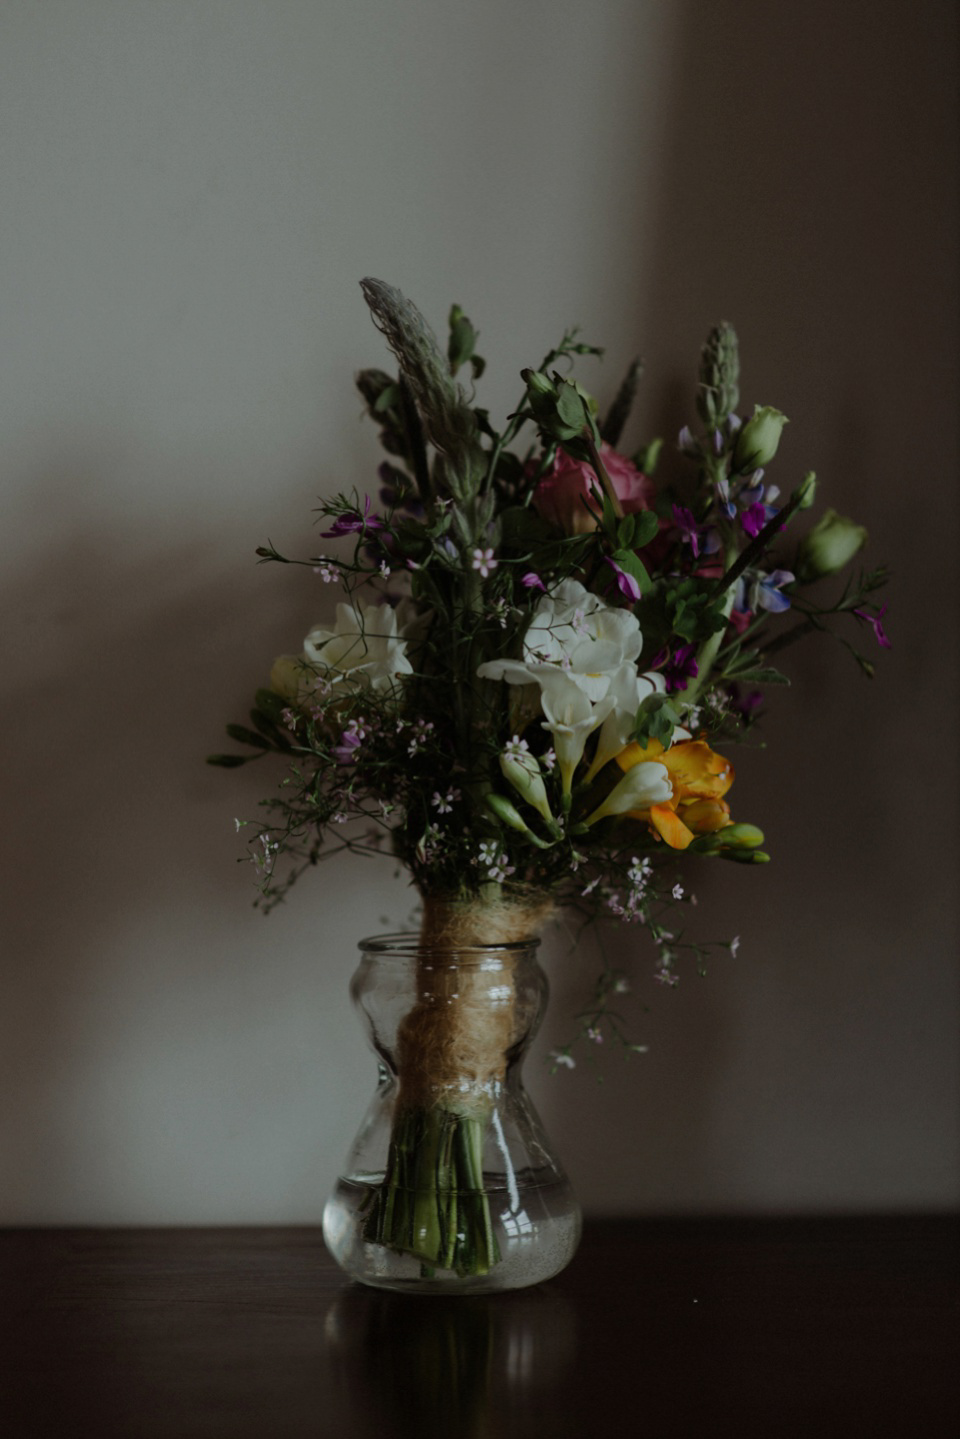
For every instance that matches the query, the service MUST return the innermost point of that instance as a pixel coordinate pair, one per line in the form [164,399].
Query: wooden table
[673,1327]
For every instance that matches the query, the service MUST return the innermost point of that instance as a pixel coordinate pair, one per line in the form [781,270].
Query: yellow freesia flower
[699,778]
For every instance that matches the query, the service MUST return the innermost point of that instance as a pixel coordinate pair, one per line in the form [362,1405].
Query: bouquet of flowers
[542,654]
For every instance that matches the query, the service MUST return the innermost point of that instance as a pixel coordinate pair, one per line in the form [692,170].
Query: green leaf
[625,531]
[463,337]
[246,736]
[646,528]
[656,719]
[646,458]
[386,400]
[270,704]
[570,407]
[764,675]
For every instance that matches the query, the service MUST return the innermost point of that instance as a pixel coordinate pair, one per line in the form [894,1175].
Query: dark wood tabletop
[660,1327]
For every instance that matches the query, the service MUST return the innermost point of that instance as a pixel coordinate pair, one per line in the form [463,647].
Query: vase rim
[404,945]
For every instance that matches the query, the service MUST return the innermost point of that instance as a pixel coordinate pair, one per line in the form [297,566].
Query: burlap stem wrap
[452,1046]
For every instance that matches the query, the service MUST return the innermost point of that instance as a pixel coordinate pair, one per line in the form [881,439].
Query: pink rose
[560,495]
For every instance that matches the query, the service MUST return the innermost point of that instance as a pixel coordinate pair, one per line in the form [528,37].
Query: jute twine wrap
[452,1046]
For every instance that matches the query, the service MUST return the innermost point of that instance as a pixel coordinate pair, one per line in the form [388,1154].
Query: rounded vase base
[535,1229]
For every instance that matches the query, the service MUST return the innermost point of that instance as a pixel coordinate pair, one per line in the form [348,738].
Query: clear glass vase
[451,1185]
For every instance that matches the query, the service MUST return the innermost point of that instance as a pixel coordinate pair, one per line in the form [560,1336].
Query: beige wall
[189,193]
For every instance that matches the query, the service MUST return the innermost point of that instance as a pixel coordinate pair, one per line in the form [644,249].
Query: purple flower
[350,741]
[626,583]
[677,667]
[768,591]
[353,522]
[687,525]
[532,581]
[753,520]
[760,508]
[723,497]
[874,621]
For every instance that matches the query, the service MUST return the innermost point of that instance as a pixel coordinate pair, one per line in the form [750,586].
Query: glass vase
[451,1185]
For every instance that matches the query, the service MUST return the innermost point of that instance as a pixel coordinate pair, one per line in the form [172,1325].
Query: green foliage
[657,718]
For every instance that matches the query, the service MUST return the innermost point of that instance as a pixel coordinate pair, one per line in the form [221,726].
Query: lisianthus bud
[807,490]
[831,544]
[758,439]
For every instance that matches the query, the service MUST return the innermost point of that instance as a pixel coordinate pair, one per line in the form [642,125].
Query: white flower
[483,560]
[645,784]
[629,690]
[580,653]
[364,650]
[573,630]
[571,719]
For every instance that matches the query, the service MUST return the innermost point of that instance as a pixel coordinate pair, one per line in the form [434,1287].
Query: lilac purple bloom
[874,621]
[753,520]
[687,525]
[768,591]
[626,583]
[677,667]
[353,522]
[532,581]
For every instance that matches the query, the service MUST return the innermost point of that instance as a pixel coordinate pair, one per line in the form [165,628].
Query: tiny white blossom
[483,561]
[516,748]
[559,1057]
[549,759]
[384,570]
[734,944]
[326,571]
[677,891]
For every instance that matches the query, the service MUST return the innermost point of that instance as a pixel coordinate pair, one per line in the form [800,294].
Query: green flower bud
[758,439]
[509,815]
[506,812]
[740,836]
[522,771]
[831,544]
[807,490]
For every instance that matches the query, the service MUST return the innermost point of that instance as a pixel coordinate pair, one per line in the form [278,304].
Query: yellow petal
[639,753]
[669,826]
[697,771]
[705,816]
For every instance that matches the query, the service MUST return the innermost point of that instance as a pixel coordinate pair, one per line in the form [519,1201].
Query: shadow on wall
[802,198]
